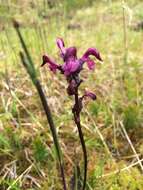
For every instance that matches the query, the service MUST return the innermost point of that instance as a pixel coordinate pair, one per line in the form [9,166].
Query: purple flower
[85,58]
[90,95]
[52,65]
[92,51]
[72,65]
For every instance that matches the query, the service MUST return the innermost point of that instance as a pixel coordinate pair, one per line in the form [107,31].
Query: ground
[112,125]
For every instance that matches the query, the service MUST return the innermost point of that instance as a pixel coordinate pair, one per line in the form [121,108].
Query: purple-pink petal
[70,67]
[90,64]
[93,52]
[71,63]
[90,95]
[61,45]
[52,65]
[71,53]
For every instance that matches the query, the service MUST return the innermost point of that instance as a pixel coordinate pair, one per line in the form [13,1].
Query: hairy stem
[81,136]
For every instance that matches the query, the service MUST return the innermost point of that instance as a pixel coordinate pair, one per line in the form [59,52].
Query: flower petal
[61,45]
[71,66]
[52,65]
[90,64]
[71,53]
[90,95]
[92,51]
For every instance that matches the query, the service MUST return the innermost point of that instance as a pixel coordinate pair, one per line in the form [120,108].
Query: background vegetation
[113,125]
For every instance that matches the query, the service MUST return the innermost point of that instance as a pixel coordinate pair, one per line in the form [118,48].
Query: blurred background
[112,125]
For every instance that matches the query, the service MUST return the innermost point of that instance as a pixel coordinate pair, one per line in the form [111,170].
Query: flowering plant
[71,69]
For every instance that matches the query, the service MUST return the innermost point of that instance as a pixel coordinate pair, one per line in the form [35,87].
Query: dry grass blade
[122,169]
[131,145]
[100,135]
[21,176]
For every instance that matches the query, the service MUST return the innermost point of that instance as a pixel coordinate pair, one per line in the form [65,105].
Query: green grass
[24,136]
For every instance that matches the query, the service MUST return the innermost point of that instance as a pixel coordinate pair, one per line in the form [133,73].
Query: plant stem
[81,136]
[52,127]
[48,115]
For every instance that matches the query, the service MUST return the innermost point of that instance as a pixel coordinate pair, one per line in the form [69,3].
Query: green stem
[29,66]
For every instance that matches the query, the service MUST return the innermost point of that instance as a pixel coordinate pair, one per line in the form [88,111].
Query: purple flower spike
[52,65]
[72,64]
[92,51]
[90,95]
[71,69]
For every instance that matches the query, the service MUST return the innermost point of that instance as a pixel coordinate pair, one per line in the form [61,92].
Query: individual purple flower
[52,65]
[92,51]
[90,95]
[86,57]
[71,64]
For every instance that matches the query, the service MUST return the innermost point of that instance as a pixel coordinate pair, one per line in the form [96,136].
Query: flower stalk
[76,113]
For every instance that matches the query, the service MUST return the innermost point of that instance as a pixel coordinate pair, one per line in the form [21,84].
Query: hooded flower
[86,57]
[72,65]
[90,95]
[52,65]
